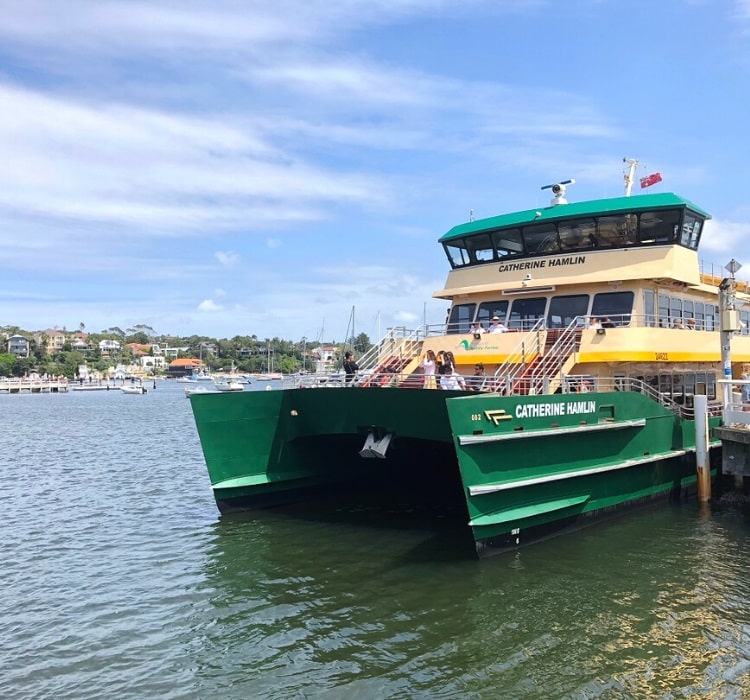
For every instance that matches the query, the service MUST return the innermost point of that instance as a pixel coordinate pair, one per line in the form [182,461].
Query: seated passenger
[595,323]
[608,323]
[497,326]
[476,327]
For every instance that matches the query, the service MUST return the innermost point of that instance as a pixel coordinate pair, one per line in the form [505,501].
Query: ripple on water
[119,579]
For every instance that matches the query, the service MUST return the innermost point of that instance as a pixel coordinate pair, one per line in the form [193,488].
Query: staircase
[558,359]
[508,376]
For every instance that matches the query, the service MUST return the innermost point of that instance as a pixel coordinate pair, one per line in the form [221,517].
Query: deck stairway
[536,367]
[558,359]
[396,354]
[508,376]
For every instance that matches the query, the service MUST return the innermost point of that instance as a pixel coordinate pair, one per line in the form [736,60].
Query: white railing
[15,385]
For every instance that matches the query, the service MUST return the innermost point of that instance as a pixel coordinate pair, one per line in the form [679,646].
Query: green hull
[523,466]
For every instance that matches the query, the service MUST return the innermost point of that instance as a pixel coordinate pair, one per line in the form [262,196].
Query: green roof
[594,207]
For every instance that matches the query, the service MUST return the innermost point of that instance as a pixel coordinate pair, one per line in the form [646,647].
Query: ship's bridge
[646,236]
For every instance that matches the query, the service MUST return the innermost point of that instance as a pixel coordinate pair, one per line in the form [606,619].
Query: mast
[632,165]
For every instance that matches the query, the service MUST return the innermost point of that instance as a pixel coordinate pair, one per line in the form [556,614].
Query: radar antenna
[558,189]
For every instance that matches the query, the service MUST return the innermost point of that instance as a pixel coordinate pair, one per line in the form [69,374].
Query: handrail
[552,362]
[516,362]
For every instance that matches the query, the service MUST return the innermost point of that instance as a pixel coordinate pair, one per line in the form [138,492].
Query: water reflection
[645,607]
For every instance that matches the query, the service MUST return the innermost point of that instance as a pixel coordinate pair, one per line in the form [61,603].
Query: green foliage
[6,364]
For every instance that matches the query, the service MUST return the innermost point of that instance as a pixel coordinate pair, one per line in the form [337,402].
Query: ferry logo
[497,415]
[464,344]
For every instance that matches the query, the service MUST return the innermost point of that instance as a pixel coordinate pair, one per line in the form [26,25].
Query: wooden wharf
[13,385]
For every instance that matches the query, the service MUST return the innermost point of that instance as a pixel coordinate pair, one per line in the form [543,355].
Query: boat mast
[632,165]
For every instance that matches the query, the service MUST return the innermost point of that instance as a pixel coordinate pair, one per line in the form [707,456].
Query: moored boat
[228,385]
[133,389]
[584,333]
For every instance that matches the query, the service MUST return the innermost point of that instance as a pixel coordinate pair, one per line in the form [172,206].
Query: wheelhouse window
[541,239]
[460,318]
[488,309]
[616,231]
[659,227]
[524,313]
[615,306]
[480,248]
[563,309]
[692,226]
[577,235]
[458,255]
[508,243]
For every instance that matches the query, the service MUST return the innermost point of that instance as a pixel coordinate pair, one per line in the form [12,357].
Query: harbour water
[120,579]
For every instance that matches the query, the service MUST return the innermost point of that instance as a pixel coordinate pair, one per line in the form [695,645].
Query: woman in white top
[428,364]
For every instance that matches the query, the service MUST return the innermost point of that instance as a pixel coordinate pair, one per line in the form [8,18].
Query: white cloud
[209,305]
[227,259]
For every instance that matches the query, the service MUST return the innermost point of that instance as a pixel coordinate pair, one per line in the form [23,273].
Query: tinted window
[457,254]
[508,242]
[577,235]
[526,312]
[659,226]
[562,310]
[649,310]
[488,309]
[460,318]
[691,230]
[541,240]
[615,231]
[615,306]
[480,248]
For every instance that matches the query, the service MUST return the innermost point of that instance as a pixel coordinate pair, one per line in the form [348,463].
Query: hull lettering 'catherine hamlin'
[583,332]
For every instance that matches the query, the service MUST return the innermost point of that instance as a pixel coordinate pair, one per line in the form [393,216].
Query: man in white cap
[496,326]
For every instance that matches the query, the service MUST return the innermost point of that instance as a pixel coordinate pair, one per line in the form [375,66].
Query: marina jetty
[15,385]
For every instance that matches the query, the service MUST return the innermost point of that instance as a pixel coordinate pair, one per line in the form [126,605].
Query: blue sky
[237,168]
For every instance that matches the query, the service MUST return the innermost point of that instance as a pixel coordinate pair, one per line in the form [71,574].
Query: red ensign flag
[650,180]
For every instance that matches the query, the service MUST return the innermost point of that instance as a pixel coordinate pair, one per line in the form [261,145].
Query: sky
[285,169]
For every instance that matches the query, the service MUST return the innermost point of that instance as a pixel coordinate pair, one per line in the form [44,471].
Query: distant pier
[32,386]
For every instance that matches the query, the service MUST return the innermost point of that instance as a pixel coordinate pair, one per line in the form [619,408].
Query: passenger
[678,324]
[476,328]
[440,362]
[429,365]
[595,324]
[448,361]
[451,379]
[497,326]
[478,381]
[690,323]
[350,367]
[608,323]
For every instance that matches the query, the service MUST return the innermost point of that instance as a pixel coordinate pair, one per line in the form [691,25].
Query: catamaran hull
[523,467]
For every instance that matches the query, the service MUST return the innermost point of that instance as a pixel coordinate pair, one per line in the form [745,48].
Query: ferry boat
[584,405]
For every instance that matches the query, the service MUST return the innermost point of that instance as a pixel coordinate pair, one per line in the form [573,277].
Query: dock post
[702,466]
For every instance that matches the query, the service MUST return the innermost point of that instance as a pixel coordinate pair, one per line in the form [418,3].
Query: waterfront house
[108,347]
[183,366]
[53,339]
[81,342]
[18,345]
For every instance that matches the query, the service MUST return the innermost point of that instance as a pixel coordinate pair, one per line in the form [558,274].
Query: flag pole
[632,165]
